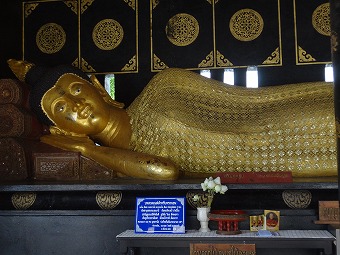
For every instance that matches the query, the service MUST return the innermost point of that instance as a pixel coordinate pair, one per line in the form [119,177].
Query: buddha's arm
[133,163]
[127,162]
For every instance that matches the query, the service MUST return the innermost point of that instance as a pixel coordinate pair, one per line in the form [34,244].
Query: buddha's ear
[58,131]
[104,93]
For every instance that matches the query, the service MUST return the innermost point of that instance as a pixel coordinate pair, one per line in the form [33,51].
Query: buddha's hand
[68,142]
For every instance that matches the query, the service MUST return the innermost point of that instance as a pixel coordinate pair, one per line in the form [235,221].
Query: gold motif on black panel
[76,62]
[86,67]
[154,3]
[158,64]
[85,4]
[50,38]
[246,25]
[182,29]
[274,58]
[321,19]
[208,61]
[23,201]
[73,5]
[29,8]
[107,34]
[131,3]
[108,200]
[304,56]
[132,65]
[222,61]
[213,1]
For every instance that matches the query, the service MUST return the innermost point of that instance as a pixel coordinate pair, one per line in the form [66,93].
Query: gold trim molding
[107,200]
[23,201]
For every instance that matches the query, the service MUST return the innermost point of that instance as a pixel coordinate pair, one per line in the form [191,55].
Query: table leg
[131,251]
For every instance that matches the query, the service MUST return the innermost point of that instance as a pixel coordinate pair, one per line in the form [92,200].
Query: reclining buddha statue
[183,124]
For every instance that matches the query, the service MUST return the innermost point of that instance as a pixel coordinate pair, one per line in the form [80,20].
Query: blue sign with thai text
[164,215]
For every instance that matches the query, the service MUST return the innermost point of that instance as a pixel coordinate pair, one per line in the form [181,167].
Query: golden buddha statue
[184,123]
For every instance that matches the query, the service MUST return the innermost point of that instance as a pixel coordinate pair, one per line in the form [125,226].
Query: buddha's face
[75,105]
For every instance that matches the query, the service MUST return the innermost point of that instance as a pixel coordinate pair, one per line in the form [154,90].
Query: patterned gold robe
[206,126]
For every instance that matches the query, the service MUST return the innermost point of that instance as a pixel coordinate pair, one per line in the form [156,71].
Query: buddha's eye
[60,107]
[76,89]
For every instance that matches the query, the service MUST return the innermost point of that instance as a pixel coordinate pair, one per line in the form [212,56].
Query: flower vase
[202,216]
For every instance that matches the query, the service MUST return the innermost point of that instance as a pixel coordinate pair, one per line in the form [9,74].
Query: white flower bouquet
[210,186]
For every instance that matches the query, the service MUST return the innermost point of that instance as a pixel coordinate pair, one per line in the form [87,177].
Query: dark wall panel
[291,43]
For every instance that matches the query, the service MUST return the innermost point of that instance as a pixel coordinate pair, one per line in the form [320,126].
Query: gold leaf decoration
[222,61]
[274,57]
[75,63]
[108,200]
[23,201]
[321,19]
[86,67]
[29,8]
[182,29]
[85,4]
[50,38]
[246,25]
[213,1]
[154,3]
[304,56]
[208,61]
[73,5]
[158,64]
[131,3]
[107,34]
[297,199]
[132,65]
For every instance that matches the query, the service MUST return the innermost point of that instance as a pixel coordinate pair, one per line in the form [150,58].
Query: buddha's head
[75,105]
[64,96]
